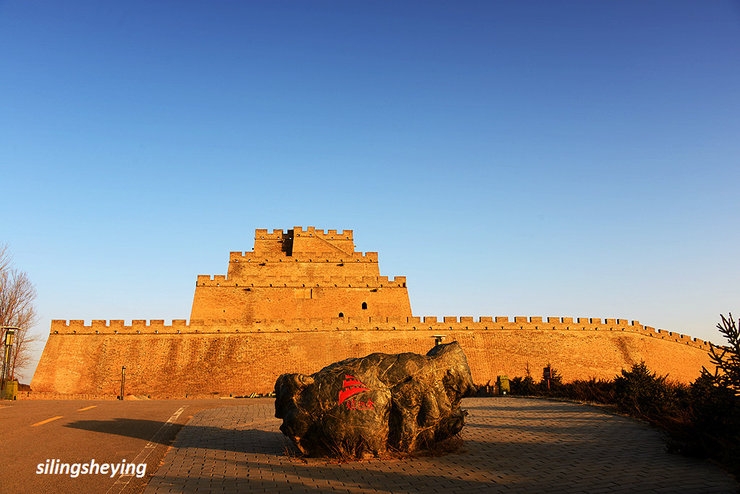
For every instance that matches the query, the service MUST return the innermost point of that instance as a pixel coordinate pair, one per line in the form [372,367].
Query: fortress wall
[319,241]
[300,273]
[269,244]
[302,299]
[221,358]
[275,302]
[312,265]
[414,323]
[302,240]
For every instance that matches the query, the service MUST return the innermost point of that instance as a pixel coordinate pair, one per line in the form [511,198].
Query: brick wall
[224,359]
[303,299]
[300,274]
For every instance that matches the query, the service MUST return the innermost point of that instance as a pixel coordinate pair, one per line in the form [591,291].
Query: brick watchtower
[300,274]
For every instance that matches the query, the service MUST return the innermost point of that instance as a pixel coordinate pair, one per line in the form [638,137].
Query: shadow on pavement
[243,441]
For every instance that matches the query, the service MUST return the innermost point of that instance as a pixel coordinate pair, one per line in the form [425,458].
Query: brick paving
[511,445]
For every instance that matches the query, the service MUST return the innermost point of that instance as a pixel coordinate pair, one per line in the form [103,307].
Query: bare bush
[17,297]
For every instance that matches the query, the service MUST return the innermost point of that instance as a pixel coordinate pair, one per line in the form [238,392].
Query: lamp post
[8,343]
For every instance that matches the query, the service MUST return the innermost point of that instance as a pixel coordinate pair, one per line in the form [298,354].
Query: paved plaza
[510,445]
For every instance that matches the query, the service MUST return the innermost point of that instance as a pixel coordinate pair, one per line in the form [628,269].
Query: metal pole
[8,343]
[6,360]
[123,380]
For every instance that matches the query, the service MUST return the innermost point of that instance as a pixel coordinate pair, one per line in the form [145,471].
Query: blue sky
[510,158]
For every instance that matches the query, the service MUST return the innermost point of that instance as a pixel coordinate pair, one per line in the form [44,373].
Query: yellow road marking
[46,421]
[87,408]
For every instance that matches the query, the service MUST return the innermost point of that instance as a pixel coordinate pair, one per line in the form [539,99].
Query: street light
[9,336]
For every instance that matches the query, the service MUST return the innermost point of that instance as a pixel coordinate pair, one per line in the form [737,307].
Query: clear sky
[510,158]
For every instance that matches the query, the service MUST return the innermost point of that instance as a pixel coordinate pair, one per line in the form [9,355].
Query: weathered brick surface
[300,274]
[189,363]
[304,299]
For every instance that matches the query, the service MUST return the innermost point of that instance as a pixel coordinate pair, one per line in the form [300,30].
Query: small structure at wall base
[9,391]
[502,385]
[381,403]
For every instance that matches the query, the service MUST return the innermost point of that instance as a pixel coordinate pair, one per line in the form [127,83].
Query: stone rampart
[304,298]
[222,358]
[431,323]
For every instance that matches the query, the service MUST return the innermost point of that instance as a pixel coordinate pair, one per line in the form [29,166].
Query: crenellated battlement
[298,231]
[311,231]
[220,280]
[306,257]
[263,234]
[370,323]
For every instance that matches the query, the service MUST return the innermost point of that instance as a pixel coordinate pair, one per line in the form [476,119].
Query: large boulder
[376,404]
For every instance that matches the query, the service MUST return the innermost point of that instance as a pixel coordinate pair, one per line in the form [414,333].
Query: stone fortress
[305,298]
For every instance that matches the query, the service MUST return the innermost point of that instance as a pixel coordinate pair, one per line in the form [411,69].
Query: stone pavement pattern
[511,445]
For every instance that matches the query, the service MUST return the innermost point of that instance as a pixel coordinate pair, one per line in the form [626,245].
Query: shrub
[593,391]
[727,358]
[714,420]
[715,402]
[523,386]
[644,394]
[702,419]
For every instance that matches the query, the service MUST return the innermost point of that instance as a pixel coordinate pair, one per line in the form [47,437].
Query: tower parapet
[300,273]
